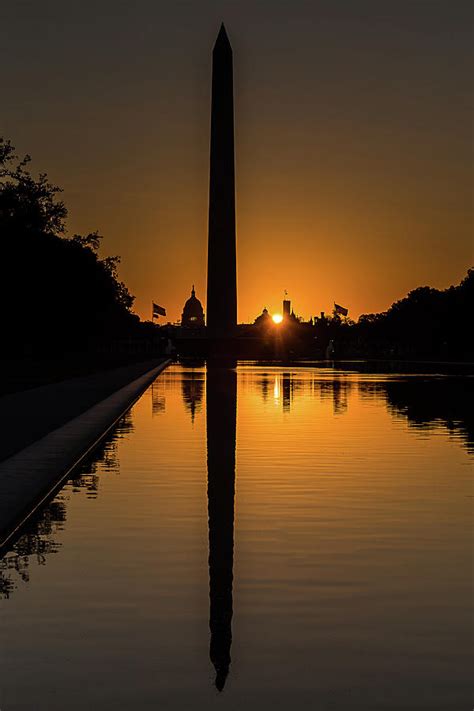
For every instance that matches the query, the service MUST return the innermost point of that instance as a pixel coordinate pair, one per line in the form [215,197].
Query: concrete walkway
[30,414]
[59,425]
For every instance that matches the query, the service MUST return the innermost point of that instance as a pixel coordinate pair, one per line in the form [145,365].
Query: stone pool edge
[29,477]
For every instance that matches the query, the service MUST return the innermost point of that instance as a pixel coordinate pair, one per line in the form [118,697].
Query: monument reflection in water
[221,407]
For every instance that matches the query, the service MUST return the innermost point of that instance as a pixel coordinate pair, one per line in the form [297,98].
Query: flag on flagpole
[340,310]
[158,310]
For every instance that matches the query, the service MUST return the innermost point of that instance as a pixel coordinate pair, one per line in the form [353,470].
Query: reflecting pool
[255,538]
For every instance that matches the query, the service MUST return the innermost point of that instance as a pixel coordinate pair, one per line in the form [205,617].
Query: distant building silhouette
[263,319]
[221,267]
[193,314]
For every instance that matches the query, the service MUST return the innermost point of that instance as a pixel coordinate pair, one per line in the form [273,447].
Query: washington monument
[221,255]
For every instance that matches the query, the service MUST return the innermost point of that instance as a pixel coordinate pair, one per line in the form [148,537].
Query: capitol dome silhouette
[193,314]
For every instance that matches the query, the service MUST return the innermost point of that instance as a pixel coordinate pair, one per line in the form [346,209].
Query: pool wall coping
[30,477]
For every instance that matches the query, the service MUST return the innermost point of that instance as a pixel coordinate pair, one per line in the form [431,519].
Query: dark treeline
[57,294]
[426,323]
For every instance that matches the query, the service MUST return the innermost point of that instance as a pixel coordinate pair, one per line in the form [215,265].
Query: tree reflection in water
[37,541]
[426,402]
[429,403]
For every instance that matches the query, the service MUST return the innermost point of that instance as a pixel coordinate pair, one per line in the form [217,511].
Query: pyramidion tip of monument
[222,37]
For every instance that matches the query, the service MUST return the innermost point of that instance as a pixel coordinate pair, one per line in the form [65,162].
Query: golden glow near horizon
[277,318]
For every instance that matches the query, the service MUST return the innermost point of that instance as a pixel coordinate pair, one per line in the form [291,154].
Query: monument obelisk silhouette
[221,255]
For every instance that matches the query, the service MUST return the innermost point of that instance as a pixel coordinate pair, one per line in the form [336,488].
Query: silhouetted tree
[55,292]
[427,322]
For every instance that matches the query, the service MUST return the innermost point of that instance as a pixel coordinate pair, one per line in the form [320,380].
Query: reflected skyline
[158,401]
[425,403]
[192,388]
[286,391]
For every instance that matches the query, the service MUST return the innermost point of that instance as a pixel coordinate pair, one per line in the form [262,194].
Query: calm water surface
[298,538]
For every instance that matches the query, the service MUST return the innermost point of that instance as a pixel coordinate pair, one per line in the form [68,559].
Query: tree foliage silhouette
[55,292]
[425,322]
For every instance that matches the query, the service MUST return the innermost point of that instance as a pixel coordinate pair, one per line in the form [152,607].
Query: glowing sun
[278,318]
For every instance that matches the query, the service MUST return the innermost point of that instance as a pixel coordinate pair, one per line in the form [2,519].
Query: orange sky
[354,170]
